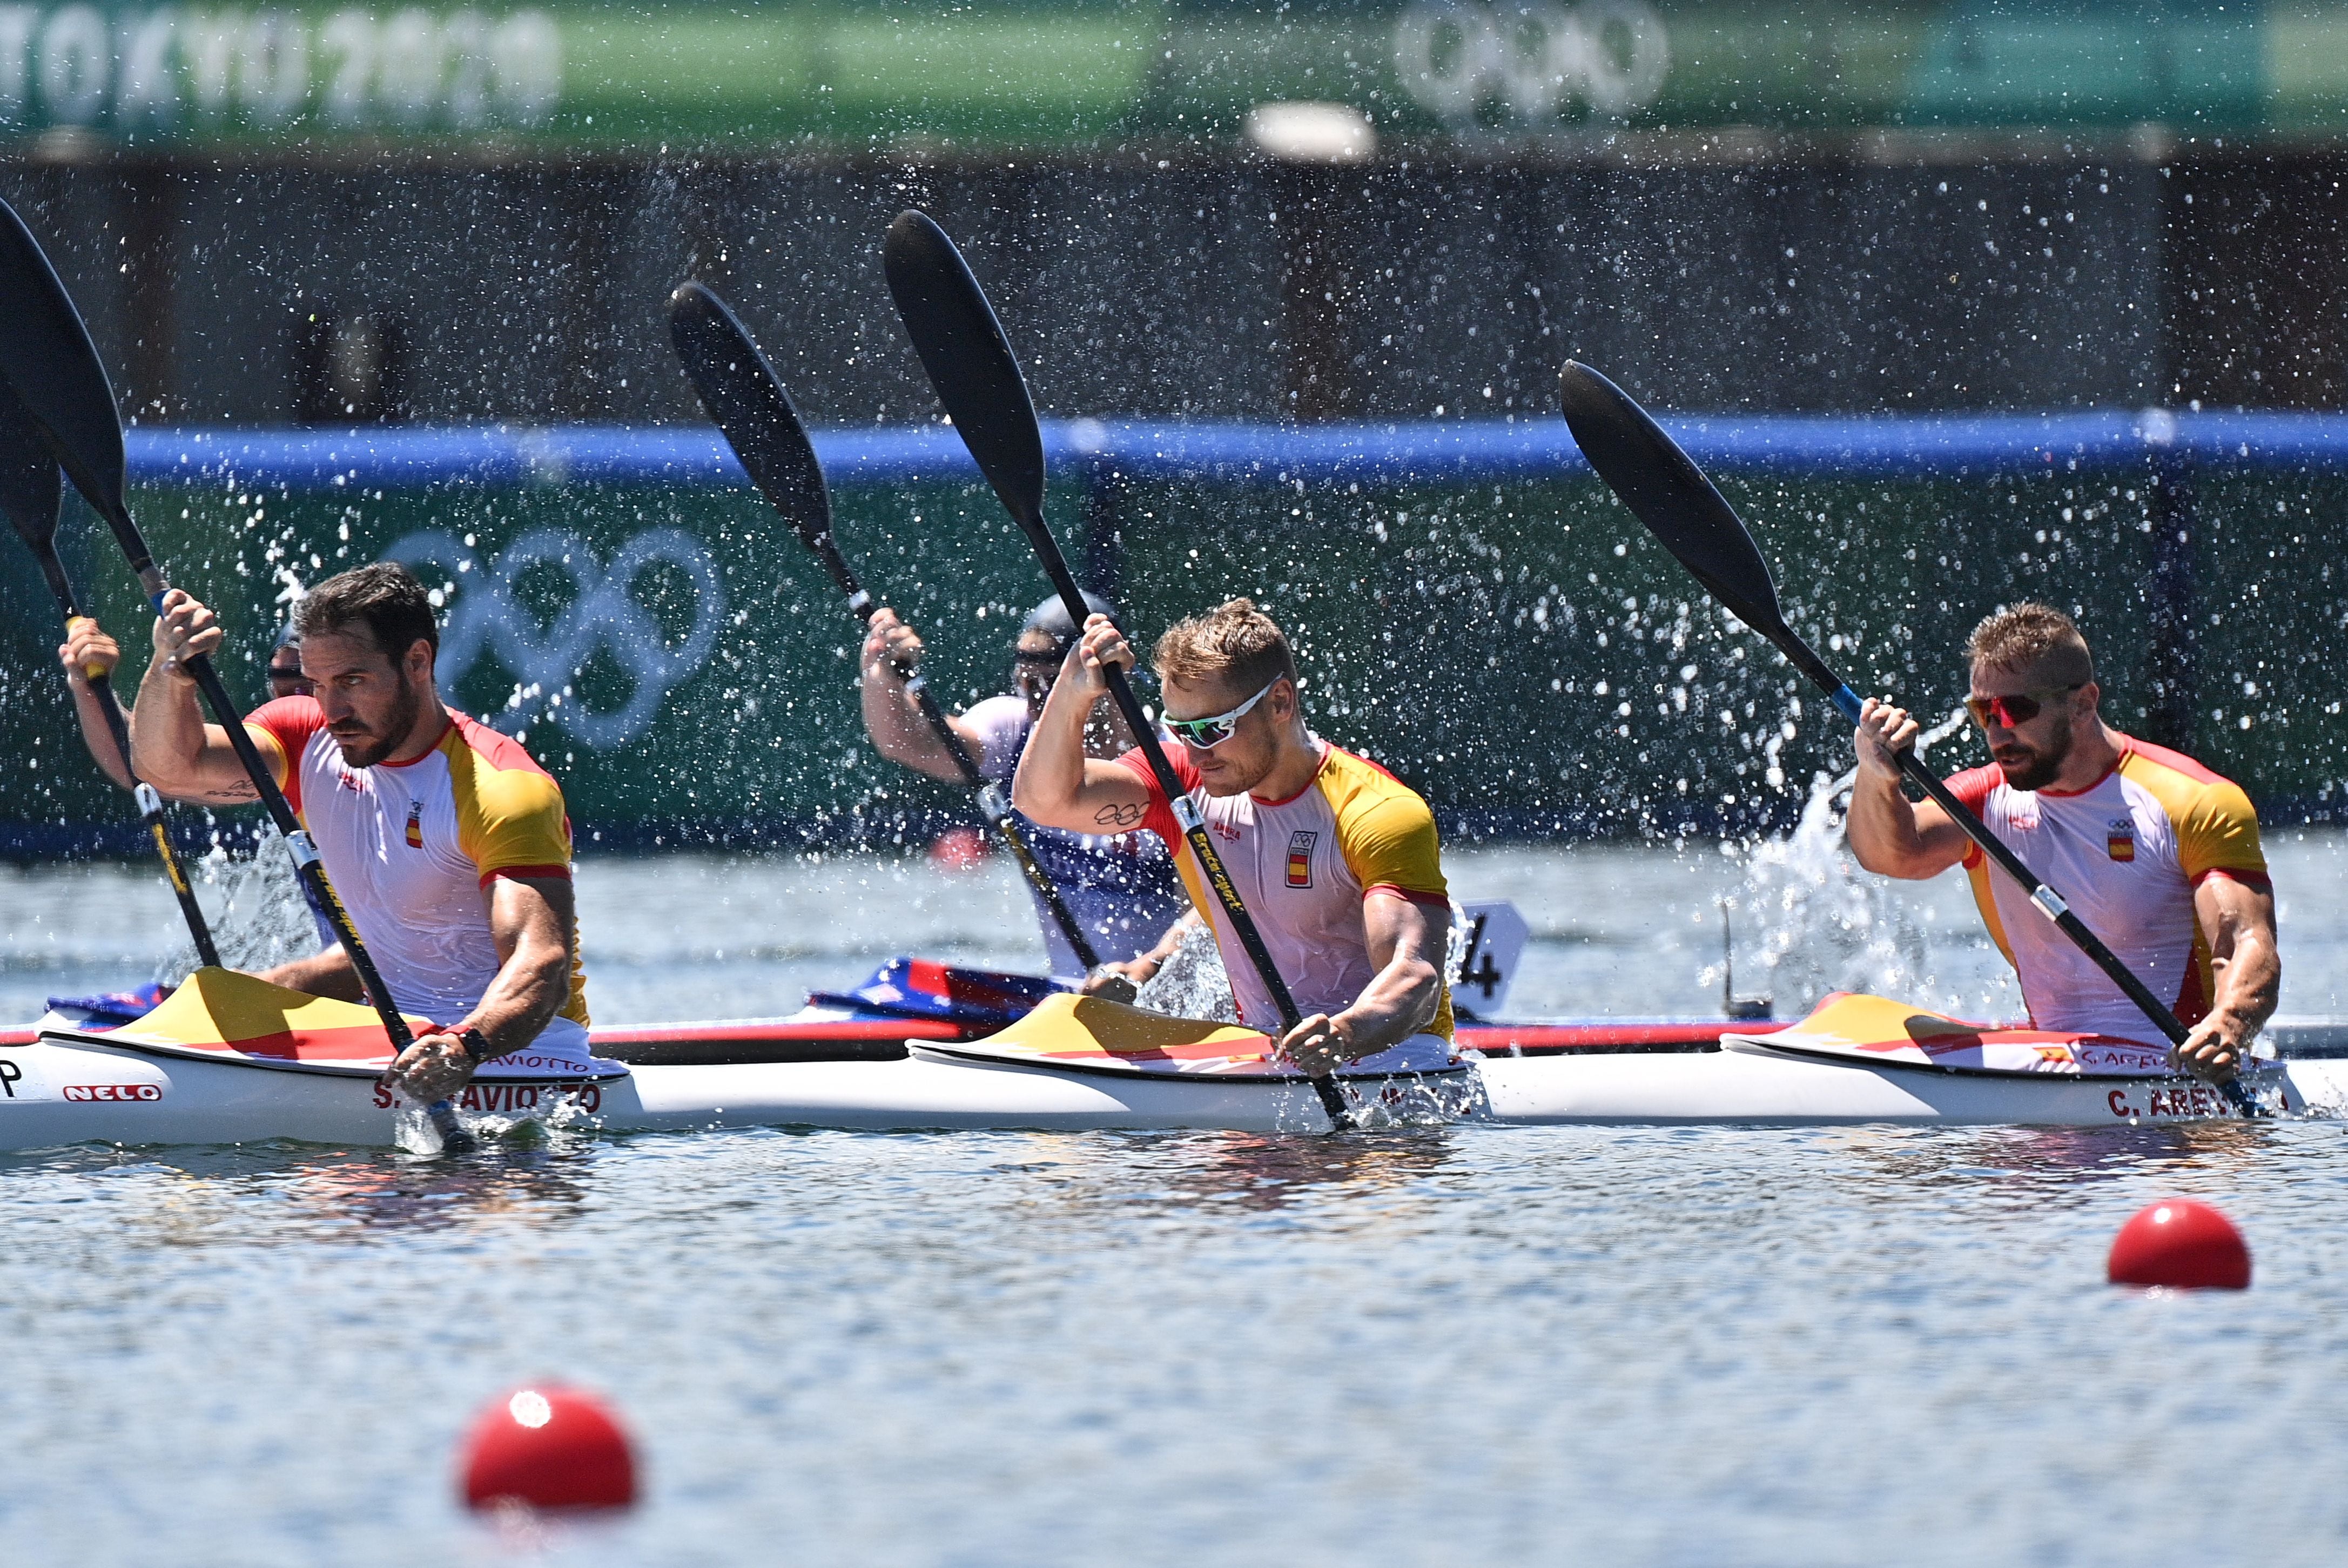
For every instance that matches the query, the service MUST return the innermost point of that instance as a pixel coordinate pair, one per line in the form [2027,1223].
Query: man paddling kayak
[2159,855]
[1336,859]
[1123,892]
[446,841]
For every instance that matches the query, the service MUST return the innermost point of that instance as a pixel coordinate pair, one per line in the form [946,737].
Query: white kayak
[239,1061]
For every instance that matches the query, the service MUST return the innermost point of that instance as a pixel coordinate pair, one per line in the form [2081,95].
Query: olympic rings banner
[1104,73]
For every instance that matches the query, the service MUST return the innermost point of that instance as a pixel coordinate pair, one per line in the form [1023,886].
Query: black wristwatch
[476,1046]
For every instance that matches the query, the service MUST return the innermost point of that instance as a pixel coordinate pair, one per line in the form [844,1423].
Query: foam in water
[1191,983]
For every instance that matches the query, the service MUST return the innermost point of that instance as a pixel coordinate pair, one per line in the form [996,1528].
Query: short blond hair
[2028,637]
[1234,643]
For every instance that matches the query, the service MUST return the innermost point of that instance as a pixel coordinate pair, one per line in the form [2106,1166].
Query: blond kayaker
[1335,859]
[2159,855]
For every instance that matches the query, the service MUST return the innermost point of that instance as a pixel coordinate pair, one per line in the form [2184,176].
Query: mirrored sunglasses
[1205,734]
[2014,711]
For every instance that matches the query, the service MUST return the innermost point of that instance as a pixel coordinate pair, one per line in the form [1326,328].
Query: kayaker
[446,841]
[2156,853]
[1122,891]
[1335,859]
[88,648]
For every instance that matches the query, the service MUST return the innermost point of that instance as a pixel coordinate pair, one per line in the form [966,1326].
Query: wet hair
[1051,618]
[2032,637]
[385,597]
[1234,643]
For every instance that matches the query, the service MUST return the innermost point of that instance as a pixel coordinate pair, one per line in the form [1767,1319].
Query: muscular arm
[533,920]
[171,745]
[1058,784]
[1890,834]
[892,718]
[2237,922]
[1406,942]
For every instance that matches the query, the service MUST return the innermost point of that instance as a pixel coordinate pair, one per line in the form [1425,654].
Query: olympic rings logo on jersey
[487,617]
[1455,57]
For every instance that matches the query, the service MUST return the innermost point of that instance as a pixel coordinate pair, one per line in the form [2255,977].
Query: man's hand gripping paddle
[48,358]
[1662,486]
[970,363]
[746,399]
[31,488]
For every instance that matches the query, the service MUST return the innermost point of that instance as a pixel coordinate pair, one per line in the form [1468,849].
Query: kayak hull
[65,1090]
[1744,1088]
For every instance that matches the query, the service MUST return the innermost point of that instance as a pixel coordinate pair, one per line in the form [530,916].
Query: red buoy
[548,1447]
[958,849]
[2180,1244]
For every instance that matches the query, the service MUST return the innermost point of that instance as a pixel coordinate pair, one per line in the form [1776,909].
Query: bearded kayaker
[446,841]
[1335,859]
[2159,855]
[1123,892]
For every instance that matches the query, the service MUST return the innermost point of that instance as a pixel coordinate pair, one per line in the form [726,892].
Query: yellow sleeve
[1388,839]
[2220,833]
[511,823]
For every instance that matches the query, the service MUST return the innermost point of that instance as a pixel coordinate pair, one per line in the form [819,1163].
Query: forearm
[167,733]
[527,992]
[2249,985]
[900,732]
[1400,1001]
[328,974]
[97,734]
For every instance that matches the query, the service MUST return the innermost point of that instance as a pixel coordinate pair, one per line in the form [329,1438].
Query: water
[1433,1346]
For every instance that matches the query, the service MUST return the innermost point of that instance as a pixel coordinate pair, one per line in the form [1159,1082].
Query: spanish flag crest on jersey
[415,824]
[2120,838]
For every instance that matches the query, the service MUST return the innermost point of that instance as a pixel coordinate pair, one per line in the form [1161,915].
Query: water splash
[1191,983]
[262,919]
[1822,925]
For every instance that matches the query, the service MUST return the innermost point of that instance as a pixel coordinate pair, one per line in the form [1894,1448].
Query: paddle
[47,357]
[747,398]
[31,488]
[970,363]
[1662,486]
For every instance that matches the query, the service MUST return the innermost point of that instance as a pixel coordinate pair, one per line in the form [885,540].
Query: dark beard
[401,722]
[2045,768]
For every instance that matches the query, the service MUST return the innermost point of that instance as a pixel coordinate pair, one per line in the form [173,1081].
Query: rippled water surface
[1471,1345]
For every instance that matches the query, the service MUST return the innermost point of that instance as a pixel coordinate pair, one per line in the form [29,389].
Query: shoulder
[997,715]
[1360,790]
[1137,762]
[2184,788]
[497,769]
[289,721]
[1974,785]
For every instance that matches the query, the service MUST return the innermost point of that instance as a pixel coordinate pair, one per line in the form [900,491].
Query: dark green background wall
[1483,642]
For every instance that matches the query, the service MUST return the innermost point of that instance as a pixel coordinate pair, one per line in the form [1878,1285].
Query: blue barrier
[1421,452]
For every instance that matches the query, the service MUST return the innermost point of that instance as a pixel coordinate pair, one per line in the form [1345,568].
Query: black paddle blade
[746,399]
[31,488]
[969,361]
[46,355]
[1669,493]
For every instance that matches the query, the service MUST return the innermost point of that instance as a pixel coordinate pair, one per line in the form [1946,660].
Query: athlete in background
[2156,854]
[1123,892]
[1336,859]
[88,649]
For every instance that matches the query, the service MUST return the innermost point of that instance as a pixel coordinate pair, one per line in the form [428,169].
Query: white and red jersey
[2126,853]
[1303,867]
[412,847]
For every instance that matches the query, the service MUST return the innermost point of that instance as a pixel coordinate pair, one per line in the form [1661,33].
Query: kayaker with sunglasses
[1123,892]
[1335,859]
[2159,855]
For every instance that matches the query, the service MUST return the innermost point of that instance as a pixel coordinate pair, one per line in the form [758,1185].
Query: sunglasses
[288,677]
[2013,712]
[1205,734]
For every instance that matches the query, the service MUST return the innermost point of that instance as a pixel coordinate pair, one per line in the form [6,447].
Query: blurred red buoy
[2180,1244]
[548,1447]
[958,848]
